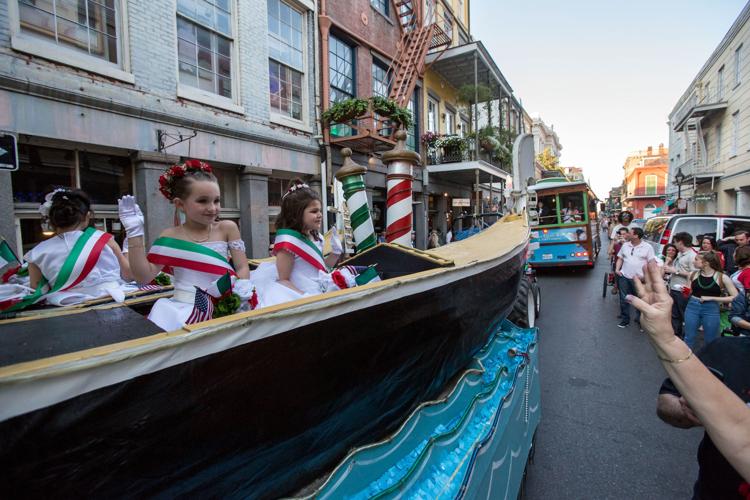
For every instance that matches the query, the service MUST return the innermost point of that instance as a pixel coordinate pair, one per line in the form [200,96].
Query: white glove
[130,216]
[336,247]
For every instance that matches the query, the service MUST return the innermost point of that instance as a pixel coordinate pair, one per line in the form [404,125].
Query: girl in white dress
[300,268]
[195,252]
[78,263]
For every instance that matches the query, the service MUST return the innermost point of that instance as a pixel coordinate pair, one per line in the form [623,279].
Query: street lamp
[679,177]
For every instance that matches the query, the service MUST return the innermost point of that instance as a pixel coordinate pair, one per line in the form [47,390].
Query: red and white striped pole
[400,162]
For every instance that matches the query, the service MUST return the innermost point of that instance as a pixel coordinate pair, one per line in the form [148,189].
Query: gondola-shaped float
[99,402]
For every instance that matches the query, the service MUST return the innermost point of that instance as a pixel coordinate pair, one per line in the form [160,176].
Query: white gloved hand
[336,246]
[130,216]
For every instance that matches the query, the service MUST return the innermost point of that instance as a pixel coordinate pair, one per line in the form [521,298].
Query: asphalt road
[599,436]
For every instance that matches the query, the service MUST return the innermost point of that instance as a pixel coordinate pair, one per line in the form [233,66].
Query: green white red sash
[77,266]
[180,253]
[298,244]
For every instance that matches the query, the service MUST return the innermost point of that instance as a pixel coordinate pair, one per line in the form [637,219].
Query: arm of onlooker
[724,415]
[618,265]
[674,411]
[731,291]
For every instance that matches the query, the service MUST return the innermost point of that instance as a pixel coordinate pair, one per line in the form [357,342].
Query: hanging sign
[8,152]
[461,202]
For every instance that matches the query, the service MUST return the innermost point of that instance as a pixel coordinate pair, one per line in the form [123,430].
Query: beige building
[709,130]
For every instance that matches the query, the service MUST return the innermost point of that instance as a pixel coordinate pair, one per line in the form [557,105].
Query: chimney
[649,150]
[661,149]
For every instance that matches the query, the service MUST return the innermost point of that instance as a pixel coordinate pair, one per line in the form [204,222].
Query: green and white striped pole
[352,177]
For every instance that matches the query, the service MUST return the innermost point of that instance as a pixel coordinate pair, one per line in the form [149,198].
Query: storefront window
[40,171]
[276,188]
[105,178]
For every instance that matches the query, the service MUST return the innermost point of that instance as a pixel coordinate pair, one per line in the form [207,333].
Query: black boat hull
[266,417]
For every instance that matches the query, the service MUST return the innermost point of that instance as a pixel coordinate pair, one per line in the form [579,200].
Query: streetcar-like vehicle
[565,224]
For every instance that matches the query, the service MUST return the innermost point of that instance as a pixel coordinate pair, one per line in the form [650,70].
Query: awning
[456,66]
[465,172]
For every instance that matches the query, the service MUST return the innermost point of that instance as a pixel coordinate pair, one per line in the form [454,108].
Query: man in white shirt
[680,274]
[624,220]
[631,259]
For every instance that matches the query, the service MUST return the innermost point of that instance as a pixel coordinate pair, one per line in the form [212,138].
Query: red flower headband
[168,178]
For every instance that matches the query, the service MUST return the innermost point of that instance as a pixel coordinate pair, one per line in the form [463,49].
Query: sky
[605,73]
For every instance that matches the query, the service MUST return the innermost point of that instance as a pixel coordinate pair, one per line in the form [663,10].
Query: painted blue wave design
[433,453]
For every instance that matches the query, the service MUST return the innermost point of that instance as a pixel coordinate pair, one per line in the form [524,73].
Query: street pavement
[599,436]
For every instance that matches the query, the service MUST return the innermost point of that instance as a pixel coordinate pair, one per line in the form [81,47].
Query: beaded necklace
[711,283]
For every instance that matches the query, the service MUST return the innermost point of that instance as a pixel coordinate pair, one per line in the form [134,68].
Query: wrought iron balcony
[644,192]
[435,155]
[699,105]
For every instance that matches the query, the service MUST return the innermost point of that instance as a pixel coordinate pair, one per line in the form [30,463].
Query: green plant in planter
[349,109]
[345,110]
[451,144]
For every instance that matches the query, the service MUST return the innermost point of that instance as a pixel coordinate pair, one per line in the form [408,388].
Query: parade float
[96,401]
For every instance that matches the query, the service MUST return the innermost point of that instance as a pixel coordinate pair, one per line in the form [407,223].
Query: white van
[658,231]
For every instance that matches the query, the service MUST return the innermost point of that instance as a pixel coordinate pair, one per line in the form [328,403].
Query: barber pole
[352,178]
[400,162]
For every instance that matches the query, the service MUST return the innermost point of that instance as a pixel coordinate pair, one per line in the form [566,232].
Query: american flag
[149,287]
[203,310]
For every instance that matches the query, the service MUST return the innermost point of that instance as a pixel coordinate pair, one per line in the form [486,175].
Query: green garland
[163,279]
[349,109]
[226,305]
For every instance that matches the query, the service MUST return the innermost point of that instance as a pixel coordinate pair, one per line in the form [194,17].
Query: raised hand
[131,216]
[654,303]
[336,247]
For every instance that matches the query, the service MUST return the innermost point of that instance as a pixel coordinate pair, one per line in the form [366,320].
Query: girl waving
[196,251]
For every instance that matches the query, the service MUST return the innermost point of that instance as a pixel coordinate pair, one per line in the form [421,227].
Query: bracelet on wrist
[678,360]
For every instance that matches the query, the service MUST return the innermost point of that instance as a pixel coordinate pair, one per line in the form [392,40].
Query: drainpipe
[320,50]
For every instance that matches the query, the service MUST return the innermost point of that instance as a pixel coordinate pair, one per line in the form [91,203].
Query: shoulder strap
[298,244]
[77,266]
[181,253]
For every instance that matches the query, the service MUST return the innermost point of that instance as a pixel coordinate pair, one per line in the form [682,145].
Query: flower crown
[168,178]
[294,188]
[45,207]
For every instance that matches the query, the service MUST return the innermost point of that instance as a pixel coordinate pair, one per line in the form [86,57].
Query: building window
[204,45]
[737,61]
[286,59]
[735,132]
[717,158]
[105,178]
[432,111]
[651,184]
[341,77]
[461,10]
[450,123]
[720,84]
[381,6]
[91,27]
[380,85]
[413,133]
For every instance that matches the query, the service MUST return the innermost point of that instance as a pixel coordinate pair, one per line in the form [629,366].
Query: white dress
[104,279]
[307,278]
[171,314]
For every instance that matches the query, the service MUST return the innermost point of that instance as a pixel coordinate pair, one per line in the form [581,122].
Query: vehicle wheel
[605,285]
[523,312]
[537,299]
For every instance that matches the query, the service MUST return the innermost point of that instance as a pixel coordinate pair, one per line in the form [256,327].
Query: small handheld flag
[7,256]
[203,309]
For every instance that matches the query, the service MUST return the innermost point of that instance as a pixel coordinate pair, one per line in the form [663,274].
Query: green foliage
[349,109]
[467,93]
[451,143]
[387,107]
[228,304]
[162,279]
[345,110]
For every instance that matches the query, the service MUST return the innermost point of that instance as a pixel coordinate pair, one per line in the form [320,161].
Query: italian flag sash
[186,254]
[77,266]
[298,244]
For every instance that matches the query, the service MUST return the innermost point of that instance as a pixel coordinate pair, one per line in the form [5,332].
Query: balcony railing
[712,97]
[440,155]
[643,191]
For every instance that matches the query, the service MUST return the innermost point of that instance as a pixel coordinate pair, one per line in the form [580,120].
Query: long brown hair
[712,258]
[293,204]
